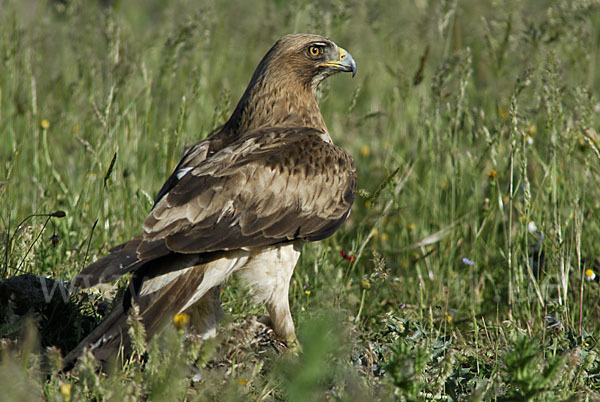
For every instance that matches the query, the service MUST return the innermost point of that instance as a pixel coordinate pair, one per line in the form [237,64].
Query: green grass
[469,121]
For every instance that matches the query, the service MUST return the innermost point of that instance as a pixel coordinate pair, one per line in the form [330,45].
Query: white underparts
[266,271]
[270,271]
[217,272]
[269,274]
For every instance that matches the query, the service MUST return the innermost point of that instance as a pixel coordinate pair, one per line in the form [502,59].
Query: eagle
[241,201]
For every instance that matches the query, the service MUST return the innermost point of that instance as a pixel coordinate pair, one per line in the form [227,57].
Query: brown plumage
[241,201]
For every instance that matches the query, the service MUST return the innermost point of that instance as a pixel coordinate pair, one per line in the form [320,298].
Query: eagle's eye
[315,51]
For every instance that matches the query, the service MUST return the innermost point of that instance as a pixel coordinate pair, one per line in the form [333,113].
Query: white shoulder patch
[182,172]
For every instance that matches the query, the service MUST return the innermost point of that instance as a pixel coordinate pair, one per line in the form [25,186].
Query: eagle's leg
[206,313]
[278,307]
[269,275]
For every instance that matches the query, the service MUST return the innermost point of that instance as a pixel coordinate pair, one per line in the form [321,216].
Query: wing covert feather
[273,186]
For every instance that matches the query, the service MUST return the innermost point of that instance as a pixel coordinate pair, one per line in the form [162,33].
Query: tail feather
[104,341]
[121,260]
[159,307]
[164,289]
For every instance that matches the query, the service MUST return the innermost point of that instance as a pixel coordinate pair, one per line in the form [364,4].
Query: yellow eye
[315,51]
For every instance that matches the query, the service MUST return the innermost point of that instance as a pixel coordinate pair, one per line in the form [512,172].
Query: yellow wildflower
[503,114]
[65,390]
[590,275]
[181,320]
[365,151]
[448,317]
[45,124]
[365,284]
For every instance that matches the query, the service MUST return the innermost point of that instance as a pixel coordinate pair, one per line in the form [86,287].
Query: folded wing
[272,186]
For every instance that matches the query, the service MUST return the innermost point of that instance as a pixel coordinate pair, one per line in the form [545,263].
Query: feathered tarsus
[242,200]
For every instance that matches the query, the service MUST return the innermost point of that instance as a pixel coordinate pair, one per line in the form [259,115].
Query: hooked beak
[345,62]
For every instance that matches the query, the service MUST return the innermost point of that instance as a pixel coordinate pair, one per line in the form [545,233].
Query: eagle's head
[307,59]
[282,89]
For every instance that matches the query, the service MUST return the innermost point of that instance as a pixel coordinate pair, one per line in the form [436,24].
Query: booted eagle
[241,201]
